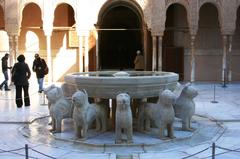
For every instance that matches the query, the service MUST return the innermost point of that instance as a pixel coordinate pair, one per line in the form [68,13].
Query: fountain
[138,85]
[108,84]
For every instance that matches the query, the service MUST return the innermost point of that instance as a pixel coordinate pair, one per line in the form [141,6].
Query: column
[12,56]
[80,46]
[86,55]
[154,53]
[192,78]
[160,53]
[224,61]
[49,59]
[230,59]
[16,53]
[97,52]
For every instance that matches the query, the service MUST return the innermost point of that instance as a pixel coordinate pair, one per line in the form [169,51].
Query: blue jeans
[40,84]
[5,82]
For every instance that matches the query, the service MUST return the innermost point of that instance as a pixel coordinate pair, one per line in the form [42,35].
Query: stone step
[124,157]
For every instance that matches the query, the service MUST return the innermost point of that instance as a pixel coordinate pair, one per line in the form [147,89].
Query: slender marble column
[154,53]
[16,52]
[192,58]
[97,52]
[12,57]
[80,46]
[49,59]
[230,59]
[159,53]
[86,54]
[224,61]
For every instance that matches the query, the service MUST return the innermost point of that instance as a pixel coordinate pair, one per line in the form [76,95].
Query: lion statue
[161,114]
[184,106]
[123,122]
[59,107]
[84,114]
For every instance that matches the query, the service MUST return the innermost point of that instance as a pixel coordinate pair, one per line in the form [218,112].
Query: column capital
[83,32]
[48,30]
[159,34]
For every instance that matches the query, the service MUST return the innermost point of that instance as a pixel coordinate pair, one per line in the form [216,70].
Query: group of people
[20,75]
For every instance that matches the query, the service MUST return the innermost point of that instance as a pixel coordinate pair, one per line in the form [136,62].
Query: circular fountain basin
[108,84]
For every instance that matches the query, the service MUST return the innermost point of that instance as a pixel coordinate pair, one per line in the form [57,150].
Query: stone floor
[217,123]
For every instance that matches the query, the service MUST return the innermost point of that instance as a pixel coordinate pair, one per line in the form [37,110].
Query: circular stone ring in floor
[205,130]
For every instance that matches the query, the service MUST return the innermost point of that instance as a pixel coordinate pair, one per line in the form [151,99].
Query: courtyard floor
[217,120]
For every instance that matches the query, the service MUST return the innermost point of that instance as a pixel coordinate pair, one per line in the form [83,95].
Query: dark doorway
[120,36]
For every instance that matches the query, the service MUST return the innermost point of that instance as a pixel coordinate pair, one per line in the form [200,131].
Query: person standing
[5,72]
[20,75]
[139,61]
[39,67]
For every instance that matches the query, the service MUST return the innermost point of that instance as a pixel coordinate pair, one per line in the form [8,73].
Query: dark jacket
[5,64]
[39,65]
[20,74]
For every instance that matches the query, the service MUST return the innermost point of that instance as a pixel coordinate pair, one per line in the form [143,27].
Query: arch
[22,7]
[215,4]
[183,3]
[234,64]
[70,3]
[125,42]
[62,5]
[175,39]
[2,20]
[36,8]
[208,44]
[134,6]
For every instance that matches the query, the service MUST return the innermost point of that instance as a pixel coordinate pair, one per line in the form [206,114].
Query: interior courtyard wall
[211,53]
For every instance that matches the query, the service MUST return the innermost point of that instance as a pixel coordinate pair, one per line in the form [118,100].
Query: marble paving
[214,122]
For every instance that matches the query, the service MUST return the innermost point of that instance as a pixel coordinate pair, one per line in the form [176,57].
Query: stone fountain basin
[108,84]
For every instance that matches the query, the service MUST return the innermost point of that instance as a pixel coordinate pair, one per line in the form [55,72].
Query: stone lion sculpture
[85,113]
[123,121]
[184,106]
[48,89]
[161,114]
[60,108]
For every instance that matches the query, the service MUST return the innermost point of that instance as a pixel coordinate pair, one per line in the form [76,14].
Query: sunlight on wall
[4,45]
[64,60]
[32,41]
[31,47]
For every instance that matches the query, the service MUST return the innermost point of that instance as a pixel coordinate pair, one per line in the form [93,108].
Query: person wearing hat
[5,68]
[20,75]
[139,61]
[39,67]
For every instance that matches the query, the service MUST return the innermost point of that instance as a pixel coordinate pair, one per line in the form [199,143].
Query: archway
[208,45]
[31,39]
[175,40]
[233,59]
[120,35]
[2,23]
[4,42]
[62,47]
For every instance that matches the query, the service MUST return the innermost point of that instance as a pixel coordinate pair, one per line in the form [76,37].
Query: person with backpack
[41,69]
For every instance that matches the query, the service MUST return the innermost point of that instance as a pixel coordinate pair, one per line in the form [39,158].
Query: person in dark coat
[5,68]
[20,75]
[39,66]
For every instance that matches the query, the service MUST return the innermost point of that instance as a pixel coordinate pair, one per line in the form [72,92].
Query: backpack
[45,70]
